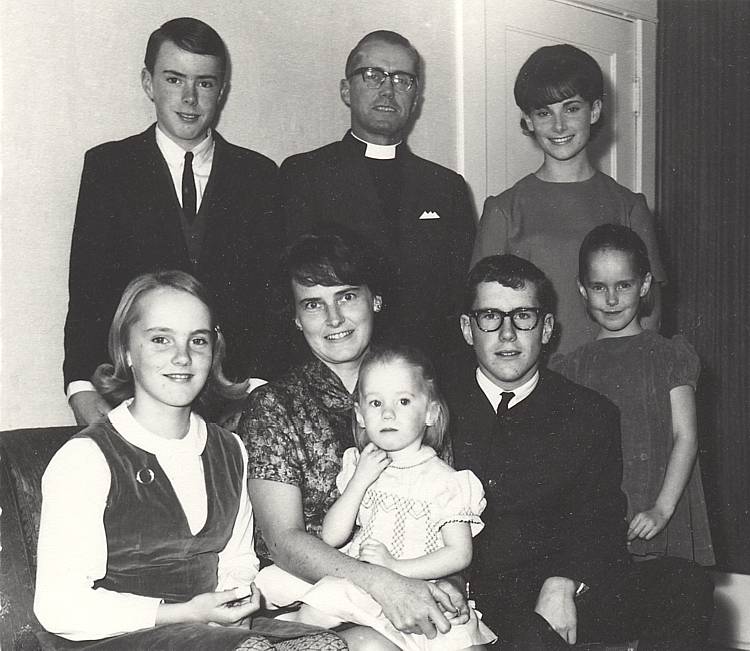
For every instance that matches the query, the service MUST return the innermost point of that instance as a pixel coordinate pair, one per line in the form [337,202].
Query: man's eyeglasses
[522,318]
[402,82]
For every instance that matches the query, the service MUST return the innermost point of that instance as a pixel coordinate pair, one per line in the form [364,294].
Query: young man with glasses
[415,214]
[551,567]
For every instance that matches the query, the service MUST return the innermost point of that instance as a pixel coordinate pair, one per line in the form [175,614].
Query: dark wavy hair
[331,257]
[435,434]
[189,34]
[555,73]
[115,381]
[510,271]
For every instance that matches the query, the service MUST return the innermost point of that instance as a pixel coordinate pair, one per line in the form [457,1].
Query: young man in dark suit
[415,214]
[177,196]
[551,567]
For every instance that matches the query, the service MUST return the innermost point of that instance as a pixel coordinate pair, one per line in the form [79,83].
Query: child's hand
[376,553]
[227,607]
[372,462]
[647,524]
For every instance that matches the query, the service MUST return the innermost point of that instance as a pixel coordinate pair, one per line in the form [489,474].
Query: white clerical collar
[175,155]
[381,152]
[494,392]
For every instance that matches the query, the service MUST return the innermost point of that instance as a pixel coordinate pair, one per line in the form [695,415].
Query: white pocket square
[429,215]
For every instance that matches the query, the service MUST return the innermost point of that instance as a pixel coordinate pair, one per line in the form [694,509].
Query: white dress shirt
[72,549]
[494,392]
[203,160]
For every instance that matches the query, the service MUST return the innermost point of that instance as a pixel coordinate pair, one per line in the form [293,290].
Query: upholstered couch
[24,454]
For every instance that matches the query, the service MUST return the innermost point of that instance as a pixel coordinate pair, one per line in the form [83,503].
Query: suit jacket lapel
[485,427]
[159,189]
[473,420]
[215,193]
[411,186]
[216,197]
[412,201]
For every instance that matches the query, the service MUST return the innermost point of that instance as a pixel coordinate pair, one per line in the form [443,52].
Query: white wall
[70,73]
[70,80]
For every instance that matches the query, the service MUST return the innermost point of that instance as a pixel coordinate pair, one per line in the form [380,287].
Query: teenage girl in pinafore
[146,532]
[652,380]
[409,510]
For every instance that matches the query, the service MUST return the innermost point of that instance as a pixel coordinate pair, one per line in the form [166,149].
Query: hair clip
[217,329]
[145,476]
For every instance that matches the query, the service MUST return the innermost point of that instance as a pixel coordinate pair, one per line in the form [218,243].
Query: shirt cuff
[77,386]
[253,383]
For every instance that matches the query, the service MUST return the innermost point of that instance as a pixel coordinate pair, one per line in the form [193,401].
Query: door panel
[497,153]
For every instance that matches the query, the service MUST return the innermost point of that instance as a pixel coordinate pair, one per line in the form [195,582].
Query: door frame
[472,89]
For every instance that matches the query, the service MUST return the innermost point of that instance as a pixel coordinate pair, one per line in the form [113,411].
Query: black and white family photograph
[414,325]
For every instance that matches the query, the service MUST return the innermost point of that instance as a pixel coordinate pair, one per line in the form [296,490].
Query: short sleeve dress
[637,373]
[404,509]
[546,222]
[407,505]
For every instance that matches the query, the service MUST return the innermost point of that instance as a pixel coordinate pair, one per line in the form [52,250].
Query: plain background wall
[71,79]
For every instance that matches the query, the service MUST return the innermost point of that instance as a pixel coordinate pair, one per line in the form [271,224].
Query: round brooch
[144,476]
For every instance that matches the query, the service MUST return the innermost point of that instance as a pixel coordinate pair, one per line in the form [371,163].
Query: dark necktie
[188,188]
[505,399]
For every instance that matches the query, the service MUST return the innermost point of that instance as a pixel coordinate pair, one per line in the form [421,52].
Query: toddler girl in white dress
[414,514]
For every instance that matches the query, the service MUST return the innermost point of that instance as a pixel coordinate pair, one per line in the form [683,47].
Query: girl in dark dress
[652,380]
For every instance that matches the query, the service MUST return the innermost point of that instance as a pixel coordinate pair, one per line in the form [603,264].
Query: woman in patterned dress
[297,428]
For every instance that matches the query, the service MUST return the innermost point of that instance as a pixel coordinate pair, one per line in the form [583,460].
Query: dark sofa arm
[24,455]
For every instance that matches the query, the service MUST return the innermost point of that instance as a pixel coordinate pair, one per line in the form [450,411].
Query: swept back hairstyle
[616,237]
[555,73]
[115,380]
[330,258]
[435,434]
[510,271]
[381,36]
[189,34]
